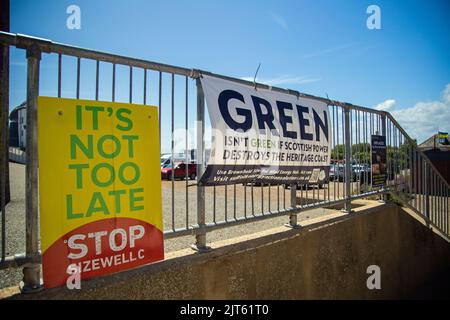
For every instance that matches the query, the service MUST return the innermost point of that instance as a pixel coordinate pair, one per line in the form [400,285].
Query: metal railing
[191,209]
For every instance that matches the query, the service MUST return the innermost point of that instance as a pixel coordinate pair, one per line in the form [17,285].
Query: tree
[360,152]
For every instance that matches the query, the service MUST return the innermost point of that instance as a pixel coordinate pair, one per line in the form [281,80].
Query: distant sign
[379,166]
[261,135]
[443,136]
[100,189]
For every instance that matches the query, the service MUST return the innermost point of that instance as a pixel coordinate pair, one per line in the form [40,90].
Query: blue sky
[317,47]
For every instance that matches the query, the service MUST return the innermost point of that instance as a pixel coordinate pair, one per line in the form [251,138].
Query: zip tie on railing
[295,93]
[256,73]
[330,103]
[196,74]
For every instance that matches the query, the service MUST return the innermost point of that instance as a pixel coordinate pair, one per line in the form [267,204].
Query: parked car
[337,172]
[360,171]
[257,184]
[318,179]
[180,171]
[303,186]
[166,159]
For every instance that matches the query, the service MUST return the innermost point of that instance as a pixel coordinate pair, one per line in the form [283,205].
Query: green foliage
[361,153]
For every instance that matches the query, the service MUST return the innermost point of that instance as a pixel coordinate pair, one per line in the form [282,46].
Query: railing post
[293,215]
[427,189]
[5,196]
[31,271]
[200,235]
[4,163]
[383,197]
[348,151]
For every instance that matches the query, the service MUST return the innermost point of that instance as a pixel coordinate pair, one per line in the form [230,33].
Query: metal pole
[293,216]
[446,213]
[348,150]
[4,161]
[5,15]
[97,78]
[200,236]
[113,89]
[59,74]
[78,77]
[172,146]
[186,128]
[159,108]
[131,84]
[383,196]
[31,271]
[427,190]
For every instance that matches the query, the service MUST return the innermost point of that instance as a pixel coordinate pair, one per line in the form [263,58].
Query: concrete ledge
[326,258]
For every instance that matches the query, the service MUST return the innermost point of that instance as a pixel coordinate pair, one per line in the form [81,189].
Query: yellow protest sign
[99,186]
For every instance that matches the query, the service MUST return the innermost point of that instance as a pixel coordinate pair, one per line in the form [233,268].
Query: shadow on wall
[322,260]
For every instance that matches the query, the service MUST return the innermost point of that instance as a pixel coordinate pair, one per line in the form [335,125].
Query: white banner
[265,136]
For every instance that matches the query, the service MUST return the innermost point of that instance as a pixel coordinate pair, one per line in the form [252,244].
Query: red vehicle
[180,171]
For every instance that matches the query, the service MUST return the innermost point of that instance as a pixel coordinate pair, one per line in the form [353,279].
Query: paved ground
[221,203]
[15,223]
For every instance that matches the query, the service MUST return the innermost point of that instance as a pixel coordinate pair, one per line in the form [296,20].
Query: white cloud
[327,51]
[282,80]
[280,21]
[446,94]
[387,105]
[425,118]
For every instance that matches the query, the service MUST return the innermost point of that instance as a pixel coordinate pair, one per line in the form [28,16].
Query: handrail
[427,160]
[46,45]
[24,41]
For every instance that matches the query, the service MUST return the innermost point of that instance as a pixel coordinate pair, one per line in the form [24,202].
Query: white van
[166,159]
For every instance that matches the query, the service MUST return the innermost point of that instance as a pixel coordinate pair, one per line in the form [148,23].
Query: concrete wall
[322,260]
